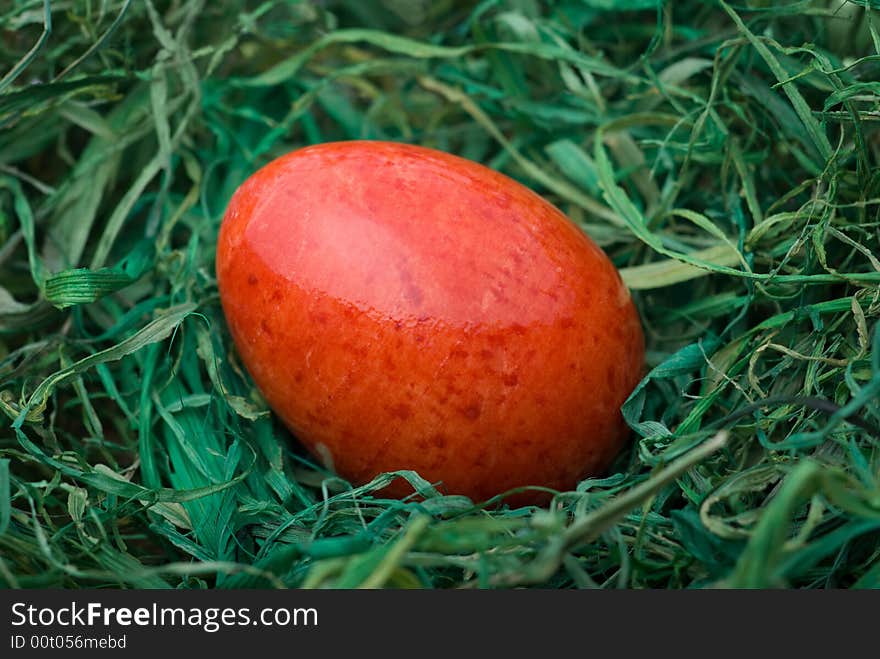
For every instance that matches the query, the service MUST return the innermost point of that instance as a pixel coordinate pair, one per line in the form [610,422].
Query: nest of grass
[726,156]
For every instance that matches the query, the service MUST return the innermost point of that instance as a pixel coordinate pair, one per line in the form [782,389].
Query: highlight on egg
[401,308]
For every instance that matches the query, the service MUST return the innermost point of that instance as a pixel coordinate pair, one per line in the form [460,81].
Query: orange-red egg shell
[403,308]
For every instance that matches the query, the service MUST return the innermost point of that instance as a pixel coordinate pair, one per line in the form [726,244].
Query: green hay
[725,155]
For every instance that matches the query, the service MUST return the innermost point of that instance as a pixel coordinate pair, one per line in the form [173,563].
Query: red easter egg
[403,308]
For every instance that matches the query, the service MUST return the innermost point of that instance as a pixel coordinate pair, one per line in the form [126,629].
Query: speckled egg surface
[403,308]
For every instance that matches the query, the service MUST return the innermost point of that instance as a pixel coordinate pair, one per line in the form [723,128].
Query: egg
[401,308]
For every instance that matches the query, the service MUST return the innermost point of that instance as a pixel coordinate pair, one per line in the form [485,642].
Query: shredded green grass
[725,155]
